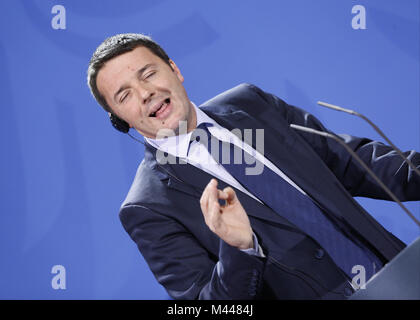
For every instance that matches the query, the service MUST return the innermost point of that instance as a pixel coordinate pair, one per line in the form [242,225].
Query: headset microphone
[118,123]
[124,127]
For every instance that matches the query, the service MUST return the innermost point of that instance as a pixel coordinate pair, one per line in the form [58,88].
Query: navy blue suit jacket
[162,212]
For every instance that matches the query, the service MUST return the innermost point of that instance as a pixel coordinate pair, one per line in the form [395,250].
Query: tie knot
[201,133]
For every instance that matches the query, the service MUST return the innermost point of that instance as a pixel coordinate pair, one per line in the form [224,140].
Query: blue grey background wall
[65,171]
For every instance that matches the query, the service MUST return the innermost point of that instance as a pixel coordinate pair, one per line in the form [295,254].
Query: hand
[230,221]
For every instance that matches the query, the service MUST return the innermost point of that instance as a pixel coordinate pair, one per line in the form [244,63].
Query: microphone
[352,112]
[339,140]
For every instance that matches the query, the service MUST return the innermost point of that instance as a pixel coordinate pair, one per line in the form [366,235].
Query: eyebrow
[139,74]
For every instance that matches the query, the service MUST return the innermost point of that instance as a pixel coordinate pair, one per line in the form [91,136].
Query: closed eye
[149,74]
[124,96]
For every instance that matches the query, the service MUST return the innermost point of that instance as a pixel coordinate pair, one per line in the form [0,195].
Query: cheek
[132,110]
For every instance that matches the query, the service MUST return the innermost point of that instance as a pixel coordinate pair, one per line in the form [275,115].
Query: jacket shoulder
[147,183]
[243,91]
[250,99]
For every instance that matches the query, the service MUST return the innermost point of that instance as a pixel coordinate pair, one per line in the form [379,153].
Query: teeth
[162,105]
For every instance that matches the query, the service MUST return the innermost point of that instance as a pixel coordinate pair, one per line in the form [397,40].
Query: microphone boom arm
[339,140]
[352,112]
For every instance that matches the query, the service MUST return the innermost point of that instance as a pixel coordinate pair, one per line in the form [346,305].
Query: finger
[213,194]
[206,203]
[222,195]
[231,195]
[205,196]
[203,201]
[213,207]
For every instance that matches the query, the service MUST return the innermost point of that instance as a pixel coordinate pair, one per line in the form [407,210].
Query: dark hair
[115,46]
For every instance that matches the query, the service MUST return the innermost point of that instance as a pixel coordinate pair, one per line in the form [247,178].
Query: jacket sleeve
[183,266]
[380,158]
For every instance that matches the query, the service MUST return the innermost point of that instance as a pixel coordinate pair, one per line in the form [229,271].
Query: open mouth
[161,108]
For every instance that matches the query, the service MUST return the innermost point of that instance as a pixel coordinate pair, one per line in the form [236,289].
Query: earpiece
[118,123]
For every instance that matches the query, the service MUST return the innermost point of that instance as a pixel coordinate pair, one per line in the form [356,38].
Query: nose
[146,92]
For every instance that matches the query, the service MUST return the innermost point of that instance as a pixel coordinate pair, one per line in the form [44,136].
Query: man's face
[144,91]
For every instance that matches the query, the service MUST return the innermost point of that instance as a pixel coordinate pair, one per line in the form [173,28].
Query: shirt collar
[178,145]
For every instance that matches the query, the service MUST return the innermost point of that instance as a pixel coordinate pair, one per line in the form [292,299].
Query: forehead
[119,69]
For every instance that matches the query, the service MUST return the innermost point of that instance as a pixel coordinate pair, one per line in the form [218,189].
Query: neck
[192,121]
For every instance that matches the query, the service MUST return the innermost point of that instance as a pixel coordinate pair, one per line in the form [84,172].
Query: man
[292,232]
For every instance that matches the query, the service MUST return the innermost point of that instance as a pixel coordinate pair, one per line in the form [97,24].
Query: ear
[176,70]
